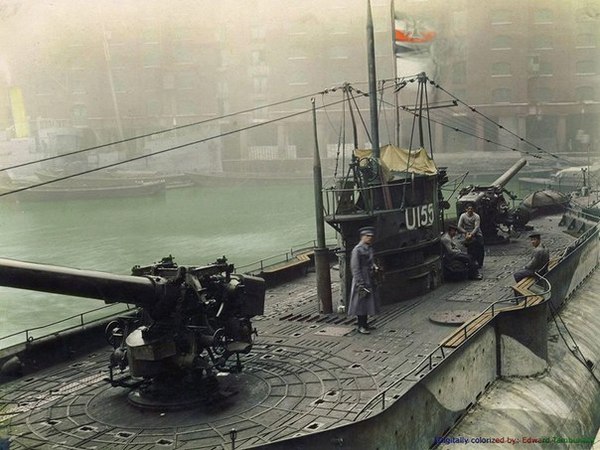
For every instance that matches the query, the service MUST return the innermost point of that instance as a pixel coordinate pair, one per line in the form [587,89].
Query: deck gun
[489,202]
[189,320]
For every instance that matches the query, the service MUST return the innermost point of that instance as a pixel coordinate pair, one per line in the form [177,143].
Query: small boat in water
[565,180]
[82,192]
[251,179]
[120,178]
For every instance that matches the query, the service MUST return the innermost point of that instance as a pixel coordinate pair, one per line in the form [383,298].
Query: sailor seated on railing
[454,259]
[539,259]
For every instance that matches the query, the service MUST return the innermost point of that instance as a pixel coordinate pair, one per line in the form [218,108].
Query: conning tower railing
[352,200]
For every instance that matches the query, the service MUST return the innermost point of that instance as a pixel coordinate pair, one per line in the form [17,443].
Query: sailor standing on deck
[364,299]
[469,224]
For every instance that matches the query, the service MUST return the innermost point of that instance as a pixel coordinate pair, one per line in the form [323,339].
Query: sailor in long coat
[364,299]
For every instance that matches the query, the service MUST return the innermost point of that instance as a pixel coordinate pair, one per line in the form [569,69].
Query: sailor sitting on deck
[453,258]
[538,261]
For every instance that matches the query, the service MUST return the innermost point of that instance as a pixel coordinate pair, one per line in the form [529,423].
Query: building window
[459,21]
[151,79]
[118,55]
[42,87]
[542,94]
[587,40]
[501,42]
[501,16]
[585,93]
[502,95]
[185,32]
[222,106]
[186,79]
[79,112]
[260,115]
[588,14]
[337,75]
[222,89]
[546,68]
[225,58]
[587,67]
[258,33]
[542,42]
[183,52]
[459,72]
[298,27]
[151,55]
[339,52]
[76,82]
[151,33]
[153,107]
[501,69]
[298,76]
[542,16]
[258,57]
[186,104]
[459,48]
[120,80]
[461,94]
[260,85]
[341,29]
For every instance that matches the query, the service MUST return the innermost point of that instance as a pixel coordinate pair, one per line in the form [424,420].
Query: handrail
[283,257]
[513,299]
[440,348]
[582,213]
[82,323]
[256,265]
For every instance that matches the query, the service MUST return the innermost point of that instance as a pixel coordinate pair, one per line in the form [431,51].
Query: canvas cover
[394,159]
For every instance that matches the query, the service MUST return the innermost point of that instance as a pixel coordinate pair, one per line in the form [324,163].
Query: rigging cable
[475,110]
[164,150]
[96,147]
[382,112]
[458,130]
[352,118]
[177,147]
[362,120]
[428,120]
[576,350]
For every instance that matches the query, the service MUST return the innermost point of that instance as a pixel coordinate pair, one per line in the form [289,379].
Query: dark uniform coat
[539,258]
[361,265]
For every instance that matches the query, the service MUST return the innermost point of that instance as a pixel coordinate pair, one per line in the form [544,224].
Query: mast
[395,73]
[111,82]
[321,251]
[372,83]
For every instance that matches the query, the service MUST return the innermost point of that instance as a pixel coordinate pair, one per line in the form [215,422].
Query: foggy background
[77,74]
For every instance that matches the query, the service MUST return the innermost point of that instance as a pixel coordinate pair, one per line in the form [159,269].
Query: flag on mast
[412,36]
[413,41]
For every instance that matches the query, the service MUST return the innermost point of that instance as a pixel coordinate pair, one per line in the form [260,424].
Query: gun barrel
[506,176]
[111,288]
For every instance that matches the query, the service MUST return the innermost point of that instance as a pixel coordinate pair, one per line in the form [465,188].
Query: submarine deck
[307,371]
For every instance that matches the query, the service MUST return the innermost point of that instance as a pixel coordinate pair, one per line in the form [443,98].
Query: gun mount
[190,321]
[489,202]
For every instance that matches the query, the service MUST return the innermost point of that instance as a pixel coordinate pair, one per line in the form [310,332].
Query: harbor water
[196,225]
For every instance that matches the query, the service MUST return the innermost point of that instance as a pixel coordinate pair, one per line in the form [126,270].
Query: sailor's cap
[367,231]
[535,236]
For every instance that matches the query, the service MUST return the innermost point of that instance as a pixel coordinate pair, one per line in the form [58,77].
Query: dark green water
[195,225]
